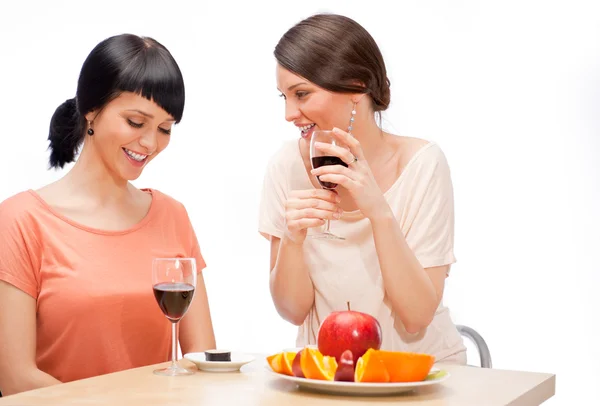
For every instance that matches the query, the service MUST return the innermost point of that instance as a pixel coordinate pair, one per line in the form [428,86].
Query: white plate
[238,359]
[357,388]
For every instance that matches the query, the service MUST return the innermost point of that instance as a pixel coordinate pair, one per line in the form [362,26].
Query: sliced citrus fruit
[370,368]
[406,366]
[275,362]
[287,361]
[316,366]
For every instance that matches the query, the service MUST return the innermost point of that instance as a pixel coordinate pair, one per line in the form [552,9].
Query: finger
[335,150]
[322,194]
[313,214]
[297,225]
[310,203]
[351,142]
[341,180]
[335,169]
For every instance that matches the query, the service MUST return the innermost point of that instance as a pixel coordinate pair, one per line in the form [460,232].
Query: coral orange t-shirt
[96,312]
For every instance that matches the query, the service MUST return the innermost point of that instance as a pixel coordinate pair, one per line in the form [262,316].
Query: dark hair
[335,52]
[122,63]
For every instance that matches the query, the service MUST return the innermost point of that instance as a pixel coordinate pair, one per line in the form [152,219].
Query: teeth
[137,157]
[307,127]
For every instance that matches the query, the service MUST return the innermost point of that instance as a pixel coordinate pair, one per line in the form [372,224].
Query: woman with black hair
[75,256]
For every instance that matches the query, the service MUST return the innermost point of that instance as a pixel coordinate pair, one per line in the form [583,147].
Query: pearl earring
[352,119]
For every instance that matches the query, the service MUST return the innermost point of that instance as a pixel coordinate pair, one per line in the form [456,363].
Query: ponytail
[66,134]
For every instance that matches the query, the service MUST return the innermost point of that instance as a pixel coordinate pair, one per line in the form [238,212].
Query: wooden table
[253,385]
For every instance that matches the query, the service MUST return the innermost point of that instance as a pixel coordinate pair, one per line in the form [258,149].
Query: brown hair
[338,54]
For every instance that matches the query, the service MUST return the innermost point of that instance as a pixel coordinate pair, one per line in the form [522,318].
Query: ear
[356,98]
[89,117]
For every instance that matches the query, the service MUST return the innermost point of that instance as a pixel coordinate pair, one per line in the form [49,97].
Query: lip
[309,133]
[133,161]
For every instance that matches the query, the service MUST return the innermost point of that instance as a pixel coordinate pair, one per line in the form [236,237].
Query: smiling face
[311,107]
[129,132]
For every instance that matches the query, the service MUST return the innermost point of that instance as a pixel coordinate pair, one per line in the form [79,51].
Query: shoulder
[167,203]
[284,156]
[20,207]
[417,154]
[284,167]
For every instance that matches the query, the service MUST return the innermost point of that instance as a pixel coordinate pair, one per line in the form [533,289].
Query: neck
[370,136]
[90,179]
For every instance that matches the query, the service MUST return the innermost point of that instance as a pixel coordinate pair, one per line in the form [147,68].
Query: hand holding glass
[318,159]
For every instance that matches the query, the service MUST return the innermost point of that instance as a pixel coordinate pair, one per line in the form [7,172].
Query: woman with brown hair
[394,204]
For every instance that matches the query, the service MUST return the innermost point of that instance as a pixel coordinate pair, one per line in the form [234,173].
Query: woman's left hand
[357,178]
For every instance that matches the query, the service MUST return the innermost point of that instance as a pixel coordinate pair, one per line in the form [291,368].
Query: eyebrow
[294,86]
[143,113]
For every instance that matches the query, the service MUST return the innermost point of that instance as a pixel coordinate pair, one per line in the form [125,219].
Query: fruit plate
[435,377]
[238,359]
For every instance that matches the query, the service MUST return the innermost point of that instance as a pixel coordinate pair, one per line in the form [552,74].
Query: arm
[18,369]
[291,287]
[196,330]
[414,292]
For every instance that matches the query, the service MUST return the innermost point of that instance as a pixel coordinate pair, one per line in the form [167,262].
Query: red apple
[348,330]
[296,367]
[345,369]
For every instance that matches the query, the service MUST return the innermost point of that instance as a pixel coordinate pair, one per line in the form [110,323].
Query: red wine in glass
[173,298]
[318,161]
[320,158]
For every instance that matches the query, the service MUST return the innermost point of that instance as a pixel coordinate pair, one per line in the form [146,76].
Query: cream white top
[348,270]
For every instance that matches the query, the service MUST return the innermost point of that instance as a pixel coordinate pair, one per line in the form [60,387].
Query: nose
[149,141]
[291,111]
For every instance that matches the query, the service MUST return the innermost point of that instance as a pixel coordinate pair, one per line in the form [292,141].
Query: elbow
[415,323]
[296,321]
[414,328]
[291,316]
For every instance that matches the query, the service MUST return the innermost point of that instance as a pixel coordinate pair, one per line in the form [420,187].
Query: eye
[301,93]
[282,95]
[134,124]
[165,131]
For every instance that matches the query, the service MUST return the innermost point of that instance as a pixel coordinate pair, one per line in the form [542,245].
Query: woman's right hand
[309,208]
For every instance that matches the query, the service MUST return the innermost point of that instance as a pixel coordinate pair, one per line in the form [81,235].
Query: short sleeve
[272,203]
[19,263]
[197,254]
[195,251]
[431,232]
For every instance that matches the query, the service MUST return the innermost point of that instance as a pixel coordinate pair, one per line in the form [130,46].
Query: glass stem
[327,226]
[174,345]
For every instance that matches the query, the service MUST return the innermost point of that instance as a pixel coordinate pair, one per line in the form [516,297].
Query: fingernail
[338,199]
[337,215]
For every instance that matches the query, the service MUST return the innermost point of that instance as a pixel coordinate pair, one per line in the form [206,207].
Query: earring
[352,119]
[90,130]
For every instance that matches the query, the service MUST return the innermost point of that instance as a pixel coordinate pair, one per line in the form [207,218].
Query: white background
[510,90]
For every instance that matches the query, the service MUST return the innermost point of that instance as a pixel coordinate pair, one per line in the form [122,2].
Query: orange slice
[316,366]
[287,360]
[370,368]
[275,362]
[406,366]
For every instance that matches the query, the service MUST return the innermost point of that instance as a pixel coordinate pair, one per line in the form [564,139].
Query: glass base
[325,235]
[173,370]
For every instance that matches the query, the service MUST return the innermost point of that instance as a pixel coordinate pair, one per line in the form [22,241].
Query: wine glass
[174,283]
[319,158]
